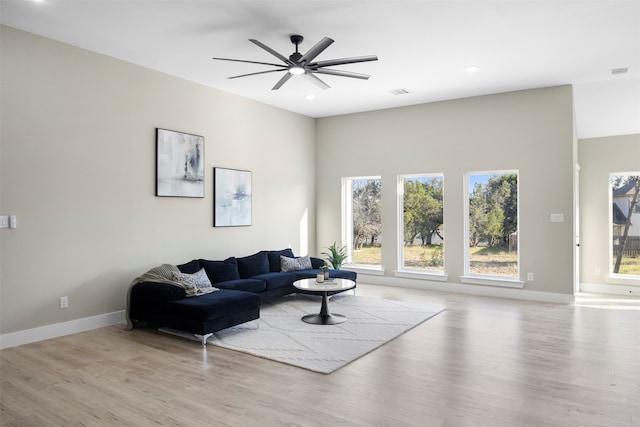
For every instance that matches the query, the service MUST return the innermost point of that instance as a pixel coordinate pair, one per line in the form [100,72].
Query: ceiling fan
[299,64]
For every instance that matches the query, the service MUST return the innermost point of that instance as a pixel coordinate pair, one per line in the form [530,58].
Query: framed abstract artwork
[179,164]
[232,197]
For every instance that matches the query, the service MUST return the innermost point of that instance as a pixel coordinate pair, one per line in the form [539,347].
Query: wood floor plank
[482,362]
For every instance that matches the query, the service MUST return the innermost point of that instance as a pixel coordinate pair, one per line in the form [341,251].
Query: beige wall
[78,169]
[598,158]
[531,131]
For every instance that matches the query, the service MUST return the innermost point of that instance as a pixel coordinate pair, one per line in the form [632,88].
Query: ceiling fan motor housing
[296,39]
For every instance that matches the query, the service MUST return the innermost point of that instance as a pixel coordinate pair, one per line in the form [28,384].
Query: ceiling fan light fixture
[296,70]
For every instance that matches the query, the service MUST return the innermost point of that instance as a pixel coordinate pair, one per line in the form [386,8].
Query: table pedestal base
[320,319]
[324,317]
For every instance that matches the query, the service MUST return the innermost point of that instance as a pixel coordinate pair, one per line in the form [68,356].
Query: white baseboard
[602,288]
[490,291]
[27,336]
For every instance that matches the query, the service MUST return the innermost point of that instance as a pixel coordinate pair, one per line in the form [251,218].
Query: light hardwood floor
[483,362]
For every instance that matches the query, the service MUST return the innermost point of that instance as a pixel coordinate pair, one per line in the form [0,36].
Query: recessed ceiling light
[309,96]
[399,91]
[472,69]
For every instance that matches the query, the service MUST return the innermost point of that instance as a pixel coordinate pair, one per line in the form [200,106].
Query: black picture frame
[232,200]
[179,164]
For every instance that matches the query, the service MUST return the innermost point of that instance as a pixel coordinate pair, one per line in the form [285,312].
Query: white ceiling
[423,47]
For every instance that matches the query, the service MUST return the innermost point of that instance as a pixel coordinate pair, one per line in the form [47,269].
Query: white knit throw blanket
[163,274]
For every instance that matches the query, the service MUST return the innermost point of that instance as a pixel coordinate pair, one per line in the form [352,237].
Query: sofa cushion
[305,274]
[247,285]
[274,258]
[221,271]
[214,305]
[190,267]
[293,264]
[251,265]
[277,280]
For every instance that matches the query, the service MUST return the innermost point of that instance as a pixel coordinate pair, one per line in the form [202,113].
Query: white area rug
[281,335]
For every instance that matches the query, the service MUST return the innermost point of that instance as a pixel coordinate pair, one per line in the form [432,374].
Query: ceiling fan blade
[316,50]
[259,72]
[282,81]
[272,52]
[342,61]
[315,80]
[341,73]
[248,62]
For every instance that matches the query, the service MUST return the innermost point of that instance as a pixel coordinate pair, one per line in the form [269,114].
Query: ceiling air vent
[399,91]
[616,71]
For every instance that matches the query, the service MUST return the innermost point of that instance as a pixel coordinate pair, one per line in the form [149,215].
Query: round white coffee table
[335,284]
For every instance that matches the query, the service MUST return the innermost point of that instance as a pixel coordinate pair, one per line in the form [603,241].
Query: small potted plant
[336,255]
[324,271]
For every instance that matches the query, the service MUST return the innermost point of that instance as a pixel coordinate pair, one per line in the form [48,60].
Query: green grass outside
[629,265]
[370,255]
[492,261]
[489,261]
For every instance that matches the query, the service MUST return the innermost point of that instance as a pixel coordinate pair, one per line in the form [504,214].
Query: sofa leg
[204,338]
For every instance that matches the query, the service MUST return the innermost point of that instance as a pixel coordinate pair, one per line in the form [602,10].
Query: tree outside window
[423,222]
[363,225]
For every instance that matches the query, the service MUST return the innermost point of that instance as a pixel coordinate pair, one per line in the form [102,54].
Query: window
[625,220]
[362,227]
[422,227]
[492,225]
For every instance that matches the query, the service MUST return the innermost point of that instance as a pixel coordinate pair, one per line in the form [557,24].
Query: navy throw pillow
[274,258]
[317,262]
[190,267]
[221,271]
[253,265]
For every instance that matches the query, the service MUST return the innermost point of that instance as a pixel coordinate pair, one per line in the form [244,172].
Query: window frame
[487,279]
[347,221]
[611,277]
[402,269]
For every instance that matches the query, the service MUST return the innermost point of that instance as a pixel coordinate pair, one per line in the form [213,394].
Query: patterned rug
[281,335]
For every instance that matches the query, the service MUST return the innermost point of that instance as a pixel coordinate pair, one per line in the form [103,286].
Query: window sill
[622,280]
[365,269]
[428,275]
[493,281]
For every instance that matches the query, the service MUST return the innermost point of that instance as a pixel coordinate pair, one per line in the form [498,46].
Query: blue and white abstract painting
[232,201]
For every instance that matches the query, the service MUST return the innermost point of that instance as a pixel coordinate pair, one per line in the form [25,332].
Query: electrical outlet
[530,277]
[64,302]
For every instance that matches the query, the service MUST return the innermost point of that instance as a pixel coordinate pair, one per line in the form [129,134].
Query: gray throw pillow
[198,280]
[295,264]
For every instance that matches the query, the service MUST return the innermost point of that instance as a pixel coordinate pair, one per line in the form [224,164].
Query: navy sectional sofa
[243,283]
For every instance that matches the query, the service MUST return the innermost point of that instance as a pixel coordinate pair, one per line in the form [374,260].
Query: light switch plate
[557,217]
[4,221]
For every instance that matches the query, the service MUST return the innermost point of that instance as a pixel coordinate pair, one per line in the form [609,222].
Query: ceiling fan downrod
[296,40]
